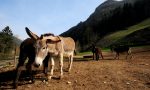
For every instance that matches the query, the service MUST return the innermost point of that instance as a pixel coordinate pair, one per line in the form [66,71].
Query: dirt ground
[107,74]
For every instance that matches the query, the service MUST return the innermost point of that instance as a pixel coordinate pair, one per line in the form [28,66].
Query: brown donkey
[27,49]
[55,46]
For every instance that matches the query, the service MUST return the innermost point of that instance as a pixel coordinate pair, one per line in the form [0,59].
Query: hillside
[136,34]
[109,17]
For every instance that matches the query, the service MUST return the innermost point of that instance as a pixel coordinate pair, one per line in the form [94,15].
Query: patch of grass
[106,49]
[90,52]
[84,53]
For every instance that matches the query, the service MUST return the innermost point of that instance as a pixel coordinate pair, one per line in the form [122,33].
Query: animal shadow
[6,79]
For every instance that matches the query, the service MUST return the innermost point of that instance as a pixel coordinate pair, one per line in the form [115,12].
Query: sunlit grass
[84,53]
[90,52]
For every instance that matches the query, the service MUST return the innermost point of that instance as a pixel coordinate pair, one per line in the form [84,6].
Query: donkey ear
[32,35]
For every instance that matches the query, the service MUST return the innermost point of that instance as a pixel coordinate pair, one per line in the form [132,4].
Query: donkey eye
[44,47]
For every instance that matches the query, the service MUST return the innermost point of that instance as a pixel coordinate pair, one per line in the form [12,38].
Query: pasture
[88,74]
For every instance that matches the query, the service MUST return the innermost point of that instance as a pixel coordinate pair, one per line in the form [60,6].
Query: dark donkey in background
[96,52]
[27,50]
[121,49]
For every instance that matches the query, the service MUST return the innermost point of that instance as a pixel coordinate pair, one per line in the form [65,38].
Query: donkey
[27,49]
[121,49]
[96,52]
[55,46]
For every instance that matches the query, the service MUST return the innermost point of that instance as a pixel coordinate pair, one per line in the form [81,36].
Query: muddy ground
[107,74]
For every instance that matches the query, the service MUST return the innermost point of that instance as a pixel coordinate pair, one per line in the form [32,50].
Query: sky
[44,16]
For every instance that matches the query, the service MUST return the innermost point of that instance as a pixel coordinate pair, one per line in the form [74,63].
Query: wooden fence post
[15,56]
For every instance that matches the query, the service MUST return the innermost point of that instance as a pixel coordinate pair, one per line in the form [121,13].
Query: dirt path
[96,75]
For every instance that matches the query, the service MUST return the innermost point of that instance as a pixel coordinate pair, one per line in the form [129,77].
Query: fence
[11,57]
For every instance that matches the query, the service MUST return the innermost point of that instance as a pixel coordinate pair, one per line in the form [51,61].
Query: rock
[104,82]
[77,72]
[48,85]
[37,82]
[75,81]
[29,86]
[146,64]
[127,83]
[68,82]
[30,81]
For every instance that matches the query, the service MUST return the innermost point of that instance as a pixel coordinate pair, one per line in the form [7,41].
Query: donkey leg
[129,52]
[70,64]
[69,61]
[61,65]
[52,68]
[22,58]
[93,56]
[101,55]
[29,67]
[117,56]
[18,72]
[127,55]
[46,61]
[30,72]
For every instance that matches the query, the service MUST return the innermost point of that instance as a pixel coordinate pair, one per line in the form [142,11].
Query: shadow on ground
[7,77]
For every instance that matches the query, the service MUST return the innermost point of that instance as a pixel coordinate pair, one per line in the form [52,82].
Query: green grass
[90,52]
[106,49]
[84,53]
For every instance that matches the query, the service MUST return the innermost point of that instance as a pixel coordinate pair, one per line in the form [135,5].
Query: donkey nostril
[36,65]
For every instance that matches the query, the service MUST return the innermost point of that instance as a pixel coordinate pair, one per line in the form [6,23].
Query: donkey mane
[46,35]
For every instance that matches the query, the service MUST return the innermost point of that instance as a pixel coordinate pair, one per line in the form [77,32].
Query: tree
[7,31]
[6,39]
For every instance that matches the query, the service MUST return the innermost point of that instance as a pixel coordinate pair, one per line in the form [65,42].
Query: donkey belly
[68,53]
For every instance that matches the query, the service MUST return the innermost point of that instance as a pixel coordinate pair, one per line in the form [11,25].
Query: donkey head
[41,46]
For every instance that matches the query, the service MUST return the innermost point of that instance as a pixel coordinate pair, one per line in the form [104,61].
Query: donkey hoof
[60,77]
[66,70]
[15,86]
[31,81]
[49,78]
[69,70]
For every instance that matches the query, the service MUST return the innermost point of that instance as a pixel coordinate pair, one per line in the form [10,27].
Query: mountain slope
[111,16]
